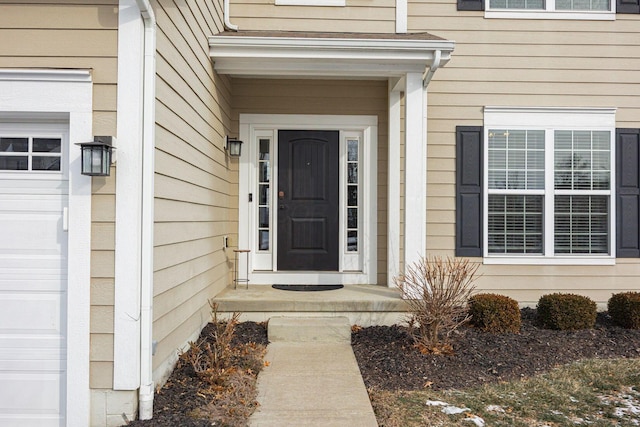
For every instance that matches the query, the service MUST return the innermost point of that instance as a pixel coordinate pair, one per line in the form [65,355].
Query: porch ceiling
[326,55]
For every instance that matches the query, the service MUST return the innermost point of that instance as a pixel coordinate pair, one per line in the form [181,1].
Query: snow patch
[454,410]
[479,422]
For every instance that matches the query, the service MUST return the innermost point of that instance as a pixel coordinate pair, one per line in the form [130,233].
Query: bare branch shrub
[437,292]
[212,359]
[224,372]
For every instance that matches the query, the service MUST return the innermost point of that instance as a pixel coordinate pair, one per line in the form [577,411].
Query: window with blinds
[516,182]
[573,200]
[551,5]
[582,183]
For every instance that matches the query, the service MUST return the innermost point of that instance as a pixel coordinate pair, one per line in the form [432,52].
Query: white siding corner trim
[126,340]
[401,16]
[65,95]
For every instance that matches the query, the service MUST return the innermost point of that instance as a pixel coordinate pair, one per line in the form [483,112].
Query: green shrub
[494,313]
[624,309]
[566,312]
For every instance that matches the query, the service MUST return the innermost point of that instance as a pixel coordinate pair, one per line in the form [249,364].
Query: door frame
[65,96]
[360,268]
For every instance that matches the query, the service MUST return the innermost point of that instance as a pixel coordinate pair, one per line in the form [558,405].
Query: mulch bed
[180,396]
[388,360]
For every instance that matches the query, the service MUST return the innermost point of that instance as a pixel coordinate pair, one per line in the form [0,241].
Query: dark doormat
[307,288]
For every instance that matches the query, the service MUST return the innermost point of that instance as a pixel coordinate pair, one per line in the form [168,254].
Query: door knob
[281,194]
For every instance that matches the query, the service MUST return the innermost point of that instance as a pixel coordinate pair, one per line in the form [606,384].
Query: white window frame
[338,3]
[32,131]
[549,119]
[354,267]
[550,12]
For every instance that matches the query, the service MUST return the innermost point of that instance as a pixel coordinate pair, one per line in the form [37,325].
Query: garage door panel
[32,227]
[43,360]
[34,314]
[33,276]
[47,281]
[29,185]
[35,399]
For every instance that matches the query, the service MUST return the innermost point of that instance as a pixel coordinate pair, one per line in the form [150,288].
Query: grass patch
[594,392]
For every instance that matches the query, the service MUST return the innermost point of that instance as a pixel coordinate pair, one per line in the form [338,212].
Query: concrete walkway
[312,378]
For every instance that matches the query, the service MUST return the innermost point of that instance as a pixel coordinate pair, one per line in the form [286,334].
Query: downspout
[145,409]
[227,23]
[429,72]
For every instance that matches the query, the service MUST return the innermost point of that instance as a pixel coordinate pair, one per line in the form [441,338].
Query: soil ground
[388,361]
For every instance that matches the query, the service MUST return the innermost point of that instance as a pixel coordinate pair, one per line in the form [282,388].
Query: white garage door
[33,274]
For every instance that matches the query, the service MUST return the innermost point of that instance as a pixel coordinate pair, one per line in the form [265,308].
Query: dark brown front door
[308,183]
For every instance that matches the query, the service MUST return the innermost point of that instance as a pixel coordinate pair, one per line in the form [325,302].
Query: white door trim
[65,95]
[252,125]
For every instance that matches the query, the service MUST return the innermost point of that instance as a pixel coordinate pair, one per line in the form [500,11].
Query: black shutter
[628,193]
[469,191]
[478,4]
[626,6]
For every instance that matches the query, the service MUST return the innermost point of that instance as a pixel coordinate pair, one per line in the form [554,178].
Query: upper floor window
[311,2]
[551,5]
[551,9]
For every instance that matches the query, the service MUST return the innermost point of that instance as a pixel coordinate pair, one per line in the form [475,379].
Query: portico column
[393,183]
[415,235]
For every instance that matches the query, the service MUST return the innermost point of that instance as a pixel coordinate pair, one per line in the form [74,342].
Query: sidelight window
[264,194]
[353,184]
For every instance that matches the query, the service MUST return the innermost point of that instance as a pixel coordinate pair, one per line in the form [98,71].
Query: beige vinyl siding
[504,62]
[80,35]
[360,16]
[336,97]
[195,182]
[66,35]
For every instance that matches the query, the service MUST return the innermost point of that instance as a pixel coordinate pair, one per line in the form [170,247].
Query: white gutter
[145,406]
[429,72]
[227,22]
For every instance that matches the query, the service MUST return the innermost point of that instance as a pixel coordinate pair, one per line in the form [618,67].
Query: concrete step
[364,305]
[309,329]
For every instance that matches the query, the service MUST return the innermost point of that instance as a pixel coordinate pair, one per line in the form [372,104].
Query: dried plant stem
[437,292]
[212,360]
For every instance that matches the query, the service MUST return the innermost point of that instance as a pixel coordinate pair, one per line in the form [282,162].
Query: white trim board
[252,125]
[325,57]
[128,262]
[65,95]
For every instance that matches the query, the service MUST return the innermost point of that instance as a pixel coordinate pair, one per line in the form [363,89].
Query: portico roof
[324,54]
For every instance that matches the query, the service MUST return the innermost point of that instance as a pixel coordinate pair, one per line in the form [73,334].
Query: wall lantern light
[96,156]
[234,146]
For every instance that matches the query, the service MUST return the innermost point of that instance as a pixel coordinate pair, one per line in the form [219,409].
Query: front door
[308,200]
